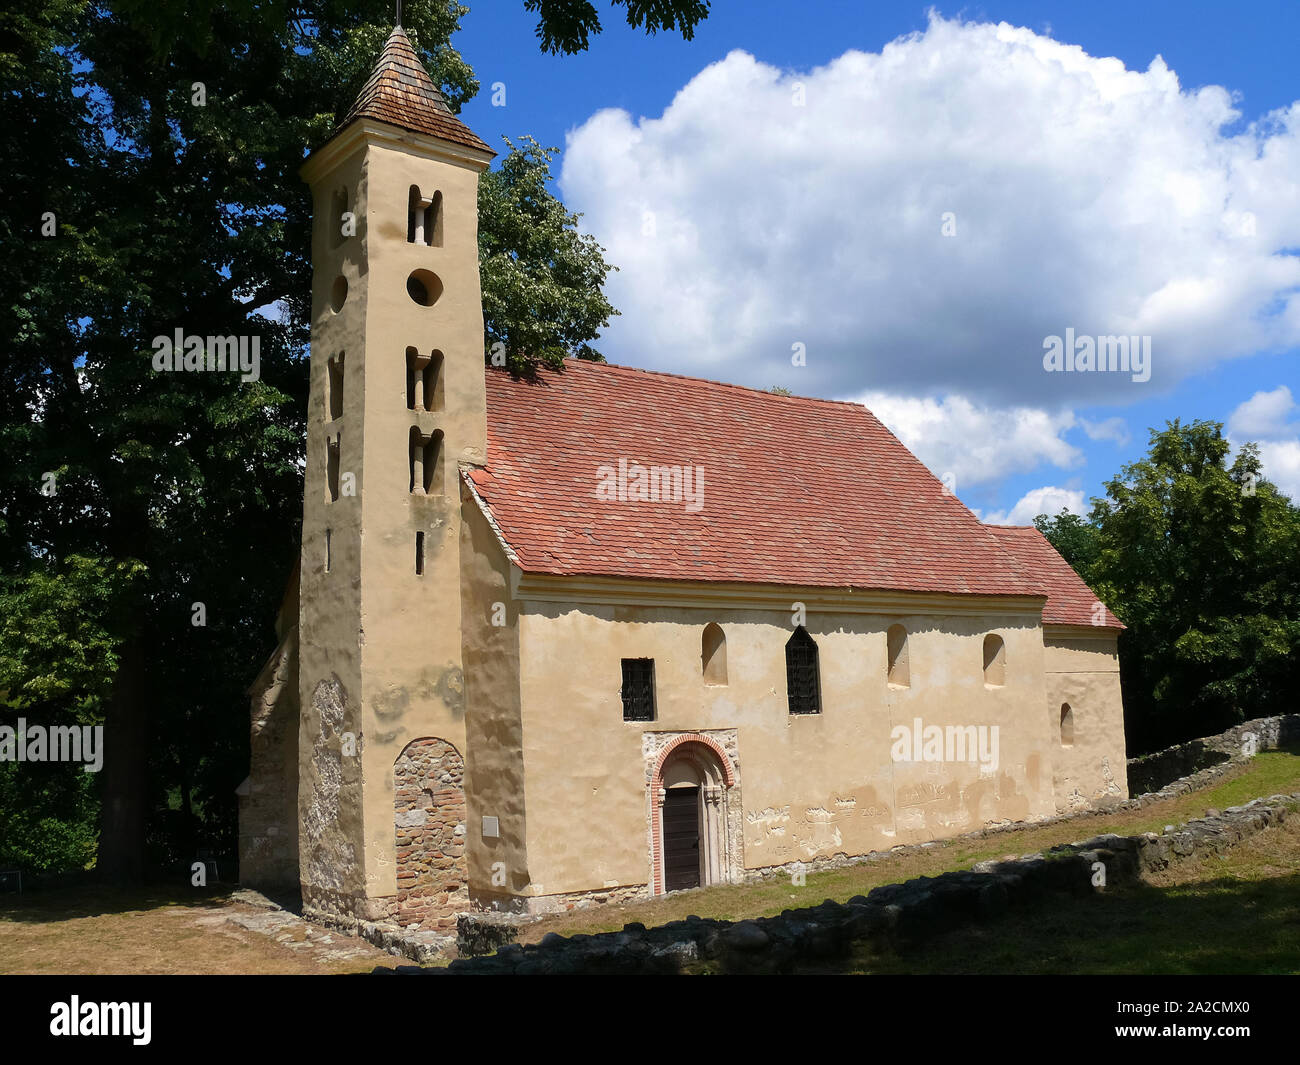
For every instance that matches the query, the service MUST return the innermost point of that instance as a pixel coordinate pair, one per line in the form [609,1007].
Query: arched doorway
[691,792]
[429,827]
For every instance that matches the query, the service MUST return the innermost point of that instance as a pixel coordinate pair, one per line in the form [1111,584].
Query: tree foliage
[152,154]
[542,279]
[566,26]
[1200,558]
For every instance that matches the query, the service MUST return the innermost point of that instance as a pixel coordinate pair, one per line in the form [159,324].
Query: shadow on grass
[96,900]
[1221,926]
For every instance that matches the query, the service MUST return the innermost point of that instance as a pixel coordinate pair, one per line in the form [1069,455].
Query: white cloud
[1085,195]
[976,444]
[1047,500]
[1281,462]
[1115,429]
[1264,415]
[1266,419]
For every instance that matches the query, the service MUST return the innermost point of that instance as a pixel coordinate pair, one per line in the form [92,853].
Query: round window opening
[424,287]
[339,293]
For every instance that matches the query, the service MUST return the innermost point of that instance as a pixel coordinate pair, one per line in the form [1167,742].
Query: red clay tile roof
[795,491]
[1069,600]
[401,93]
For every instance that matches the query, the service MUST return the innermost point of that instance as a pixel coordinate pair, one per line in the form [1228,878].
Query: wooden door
[681,838]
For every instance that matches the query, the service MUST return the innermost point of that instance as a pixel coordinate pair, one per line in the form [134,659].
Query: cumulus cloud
[766,209]
[1047,500]
[1267,419]
[976,443]
[1265,414]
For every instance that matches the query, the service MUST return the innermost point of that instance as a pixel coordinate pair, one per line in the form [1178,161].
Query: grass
[92,931]
[1269,773]
[1238,913]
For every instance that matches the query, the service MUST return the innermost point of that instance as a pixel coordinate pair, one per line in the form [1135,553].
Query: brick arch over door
[721,811]
[429,823]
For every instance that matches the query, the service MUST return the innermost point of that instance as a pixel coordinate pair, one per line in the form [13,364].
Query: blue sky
[1083,195]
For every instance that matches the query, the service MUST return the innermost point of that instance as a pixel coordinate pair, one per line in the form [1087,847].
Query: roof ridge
[592,363]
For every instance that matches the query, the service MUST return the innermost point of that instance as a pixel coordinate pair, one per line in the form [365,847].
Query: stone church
[607,633]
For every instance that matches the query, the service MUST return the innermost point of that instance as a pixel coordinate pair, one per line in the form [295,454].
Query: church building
[605,633]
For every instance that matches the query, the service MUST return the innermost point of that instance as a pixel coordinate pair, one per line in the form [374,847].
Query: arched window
[995,661]
[713,654]
[802,675]
[899,672]
[423,380]
[424,218]
[1067,725]
[426,462]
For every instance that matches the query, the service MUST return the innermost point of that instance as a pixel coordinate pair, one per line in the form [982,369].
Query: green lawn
[1234,914]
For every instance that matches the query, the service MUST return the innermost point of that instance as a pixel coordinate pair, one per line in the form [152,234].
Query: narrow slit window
[328,535]
[336,386]
[414,373]
[419,554]
[433,465]
[332,467]
[1067,725]
[433,382]
[899,674]
[802,673]
[638,689]
[338,208]
[995,661]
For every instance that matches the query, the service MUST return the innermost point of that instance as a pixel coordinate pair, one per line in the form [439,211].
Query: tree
[152,159]
[542,279]
[1201,559]
[1074,538]
[566,25]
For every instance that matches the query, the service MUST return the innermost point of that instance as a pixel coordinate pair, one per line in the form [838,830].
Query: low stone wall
[1153,771]
[892,915]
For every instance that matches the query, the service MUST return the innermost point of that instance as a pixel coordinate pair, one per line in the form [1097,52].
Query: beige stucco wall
[1083,670]
[329,792]
[494,779]
[811,785]
[381,646]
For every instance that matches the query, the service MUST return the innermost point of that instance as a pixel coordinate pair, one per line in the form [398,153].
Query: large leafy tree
[532,255]
[1200,557]
[151,153]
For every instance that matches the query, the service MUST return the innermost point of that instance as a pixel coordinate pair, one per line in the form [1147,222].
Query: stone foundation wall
[268,799]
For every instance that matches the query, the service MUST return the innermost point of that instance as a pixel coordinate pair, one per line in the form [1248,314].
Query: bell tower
[397,405]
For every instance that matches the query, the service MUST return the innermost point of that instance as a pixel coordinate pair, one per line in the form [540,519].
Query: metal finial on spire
[398,23]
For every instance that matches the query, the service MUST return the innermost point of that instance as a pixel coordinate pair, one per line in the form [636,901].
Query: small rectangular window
[638,689]
[327,550]
[419,554]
